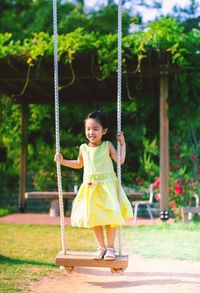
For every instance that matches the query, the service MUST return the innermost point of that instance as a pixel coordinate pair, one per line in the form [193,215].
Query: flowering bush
[180,193]
[47,180]
[183,175]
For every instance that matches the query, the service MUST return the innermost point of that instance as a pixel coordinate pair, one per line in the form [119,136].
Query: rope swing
[121,263]
[57,125]
[119,108]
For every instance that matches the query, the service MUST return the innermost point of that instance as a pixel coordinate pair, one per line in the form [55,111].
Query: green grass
[27,252]
[172,241]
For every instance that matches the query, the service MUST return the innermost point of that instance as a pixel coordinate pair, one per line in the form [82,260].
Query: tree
[104,19]
[189,15]
[22,18]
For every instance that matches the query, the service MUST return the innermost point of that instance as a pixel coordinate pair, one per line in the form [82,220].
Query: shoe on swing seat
[101,251]
[110,254]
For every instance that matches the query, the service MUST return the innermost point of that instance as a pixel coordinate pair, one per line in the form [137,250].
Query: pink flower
[174,209]
[157,197]
[157,183]
[156,143]
[172,204]
[139,180]
[177,181]
[192,157]
[89,183]
[176,146]
[178,189]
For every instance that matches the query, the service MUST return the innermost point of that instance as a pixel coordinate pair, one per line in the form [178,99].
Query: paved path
[46,219]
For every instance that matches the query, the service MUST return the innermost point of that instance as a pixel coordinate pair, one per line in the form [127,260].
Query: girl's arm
[75,164]
[113,152]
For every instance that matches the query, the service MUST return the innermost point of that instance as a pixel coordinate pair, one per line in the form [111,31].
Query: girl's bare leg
[110,253]
[98,231]
[110,236]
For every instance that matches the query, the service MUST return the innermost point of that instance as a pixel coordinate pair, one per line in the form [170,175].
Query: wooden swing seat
[86,259]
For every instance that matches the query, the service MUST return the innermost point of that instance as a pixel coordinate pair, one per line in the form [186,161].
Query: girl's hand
[58,158]
[120,138]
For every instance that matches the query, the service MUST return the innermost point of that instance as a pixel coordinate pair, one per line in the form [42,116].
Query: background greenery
[29,38]
[25,33]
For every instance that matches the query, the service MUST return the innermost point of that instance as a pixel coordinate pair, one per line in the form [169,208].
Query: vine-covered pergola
[87,74]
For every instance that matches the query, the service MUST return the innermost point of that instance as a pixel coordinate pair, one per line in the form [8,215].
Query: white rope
[57,125]
[119,94]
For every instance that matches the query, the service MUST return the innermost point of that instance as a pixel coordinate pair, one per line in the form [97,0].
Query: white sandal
[101,251]
[110,254]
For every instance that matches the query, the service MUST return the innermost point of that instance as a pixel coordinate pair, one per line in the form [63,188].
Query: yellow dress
[96,203]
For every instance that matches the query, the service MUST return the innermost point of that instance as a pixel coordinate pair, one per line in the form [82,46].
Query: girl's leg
[98,231]
[110,254]
[110,236]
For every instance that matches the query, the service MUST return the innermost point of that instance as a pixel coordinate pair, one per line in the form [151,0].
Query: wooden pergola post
[23,156]
[164,145]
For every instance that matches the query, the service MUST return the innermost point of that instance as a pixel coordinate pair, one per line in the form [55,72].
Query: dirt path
[142,276]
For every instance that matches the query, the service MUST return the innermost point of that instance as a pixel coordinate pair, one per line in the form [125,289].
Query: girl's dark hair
[100,117]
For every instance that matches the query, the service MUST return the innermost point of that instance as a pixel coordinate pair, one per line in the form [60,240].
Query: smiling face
[94,132]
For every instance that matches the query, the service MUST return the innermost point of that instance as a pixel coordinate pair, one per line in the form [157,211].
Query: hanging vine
[166,34]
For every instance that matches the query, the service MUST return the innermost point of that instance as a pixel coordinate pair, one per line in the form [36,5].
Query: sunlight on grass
[177,241]
[28,252]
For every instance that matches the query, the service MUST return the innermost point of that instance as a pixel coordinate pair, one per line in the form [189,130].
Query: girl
[96,204]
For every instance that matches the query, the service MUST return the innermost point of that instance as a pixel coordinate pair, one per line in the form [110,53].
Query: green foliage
[148,168]
[23,18]
[9,141]
[148,163]
[4,48]
[166,34]
[104,20]
[6,211]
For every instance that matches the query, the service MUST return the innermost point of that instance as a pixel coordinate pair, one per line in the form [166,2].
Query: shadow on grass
[21,262]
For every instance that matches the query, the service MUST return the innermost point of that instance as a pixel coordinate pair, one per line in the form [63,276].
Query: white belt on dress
[89,183]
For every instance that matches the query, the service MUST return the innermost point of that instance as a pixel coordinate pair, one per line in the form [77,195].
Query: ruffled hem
[97,204]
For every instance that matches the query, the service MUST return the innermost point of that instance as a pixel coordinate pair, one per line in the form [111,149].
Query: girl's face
[94,132]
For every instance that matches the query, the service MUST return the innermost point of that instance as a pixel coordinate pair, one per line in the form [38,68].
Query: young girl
[96,204]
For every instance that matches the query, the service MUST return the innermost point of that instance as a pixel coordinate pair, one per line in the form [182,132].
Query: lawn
[27,252]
